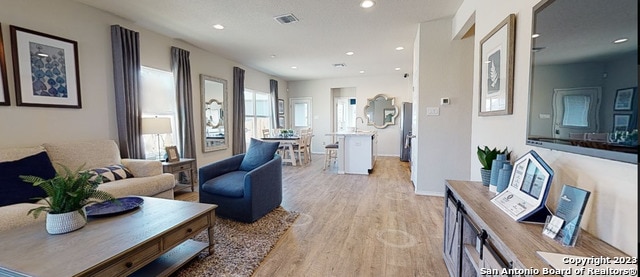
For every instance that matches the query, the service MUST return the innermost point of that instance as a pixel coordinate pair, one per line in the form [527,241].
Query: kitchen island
[357,151]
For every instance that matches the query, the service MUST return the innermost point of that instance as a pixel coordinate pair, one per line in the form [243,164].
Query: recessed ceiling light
[350,53]
[399,48]
[294,67]
[397,68]
[272,56]
[367,4]
[535,35]
[361,71]
[620,40]
[218,26]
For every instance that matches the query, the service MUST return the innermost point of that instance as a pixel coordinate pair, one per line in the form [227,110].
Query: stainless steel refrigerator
[405,124]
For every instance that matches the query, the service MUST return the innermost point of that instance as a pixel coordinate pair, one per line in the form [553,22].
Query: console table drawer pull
[129,264]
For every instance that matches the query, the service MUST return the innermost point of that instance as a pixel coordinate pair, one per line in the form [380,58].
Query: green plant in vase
[67,195]
[486,157]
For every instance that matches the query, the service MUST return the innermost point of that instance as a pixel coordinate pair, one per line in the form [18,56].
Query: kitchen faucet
[361,121]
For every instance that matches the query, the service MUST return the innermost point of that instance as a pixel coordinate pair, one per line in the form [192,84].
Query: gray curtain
[125,45]
[273,84]
[239,145]
[181,68]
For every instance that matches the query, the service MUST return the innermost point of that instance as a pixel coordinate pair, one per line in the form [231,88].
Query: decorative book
[571,206]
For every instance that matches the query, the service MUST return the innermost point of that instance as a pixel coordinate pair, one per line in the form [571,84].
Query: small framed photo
[45,69]
[281,106]
[497,52]
[624,99]
[172,154]
[621,122]
[4,87]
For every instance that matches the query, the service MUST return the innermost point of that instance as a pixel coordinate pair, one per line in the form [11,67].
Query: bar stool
[330,153]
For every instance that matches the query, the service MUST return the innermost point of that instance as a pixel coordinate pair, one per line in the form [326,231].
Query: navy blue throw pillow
[14,190]
[259,153]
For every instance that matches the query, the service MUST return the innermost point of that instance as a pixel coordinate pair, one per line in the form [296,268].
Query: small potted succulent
[486,157]
[67,195]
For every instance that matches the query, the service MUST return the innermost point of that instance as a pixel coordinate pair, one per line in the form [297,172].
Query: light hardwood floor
[356,225]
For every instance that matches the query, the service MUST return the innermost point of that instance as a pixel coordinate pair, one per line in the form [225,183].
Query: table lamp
[156,126]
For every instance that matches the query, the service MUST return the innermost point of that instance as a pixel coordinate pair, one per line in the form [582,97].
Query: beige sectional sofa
[147,180]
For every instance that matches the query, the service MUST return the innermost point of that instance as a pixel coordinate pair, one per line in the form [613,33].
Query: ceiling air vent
[286,18]
[339,65]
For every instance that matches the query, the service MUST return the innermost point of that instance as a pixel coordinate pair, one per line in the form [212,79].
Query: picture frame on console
[172,154]
[496,69]
[45,69]
[4,87]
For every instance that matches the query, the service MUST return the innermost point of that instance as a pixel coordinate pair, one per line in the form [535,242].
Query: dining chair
[266,133]
[301,148]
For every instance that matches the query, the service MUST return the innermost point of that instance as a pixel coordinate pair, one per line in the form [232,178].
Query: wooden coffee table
[152,240]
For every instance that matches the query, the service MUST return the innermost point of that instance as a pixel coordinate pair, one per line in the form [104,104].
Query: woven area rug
[239,247]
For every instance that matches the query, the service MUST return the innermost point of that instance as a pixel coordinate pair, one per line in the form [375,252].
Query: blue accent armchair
[241,195]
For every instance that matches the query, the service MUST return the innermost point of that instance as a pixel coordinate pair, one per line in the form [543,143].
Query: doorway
[300,112]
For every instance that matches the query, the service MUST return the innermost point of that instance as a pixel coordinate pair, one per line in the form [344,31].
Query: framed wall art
[45,69]
[4,87]
[621,122]
[281,121]
[280,106]
[496,69]
[624,99]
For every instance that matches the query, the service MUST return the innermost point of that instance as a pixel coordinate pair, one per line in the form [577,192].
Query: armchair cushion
[259,153]
[229,185]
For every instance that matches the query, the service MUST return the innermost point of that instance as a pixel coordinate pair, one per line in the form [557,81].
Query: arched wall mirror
[381,111]
[213,94]
[583,88]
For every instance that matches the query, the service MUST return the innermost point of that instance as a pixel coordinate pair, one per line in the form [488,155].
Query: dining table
[287,143]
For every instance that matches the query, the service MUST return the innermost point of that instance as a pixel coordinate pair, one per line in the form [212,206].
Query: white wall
[365,87]
[28,126]
[612,210]
[445,67]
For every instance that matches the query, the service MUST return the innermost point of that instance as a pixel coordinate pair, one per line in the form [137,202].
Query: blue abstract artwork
[48,73]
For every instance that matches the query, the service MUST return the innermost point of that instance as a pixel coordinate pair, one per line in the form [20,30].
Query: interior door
[300,112]
[575,110]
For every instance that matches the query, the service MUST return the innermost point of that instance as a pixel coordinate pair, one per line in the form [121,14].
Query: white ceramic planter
[66,222]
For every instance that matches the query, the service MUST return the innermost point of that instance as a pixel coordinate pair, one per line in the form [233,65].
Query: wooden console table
[479,236]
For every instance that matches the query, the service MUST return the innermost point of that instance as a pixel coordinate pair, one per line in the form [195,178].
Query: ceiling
[325,32]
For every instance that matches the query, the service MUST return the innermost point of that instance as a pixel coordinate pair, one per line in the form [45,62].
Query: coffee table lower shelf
[174,259]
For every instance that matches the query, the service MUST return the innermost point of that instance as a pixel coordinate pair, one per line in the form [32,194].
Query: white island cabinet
[357,151]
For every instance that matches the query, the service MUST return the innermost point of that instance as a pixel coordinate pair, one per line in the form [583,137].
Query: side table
[185,172]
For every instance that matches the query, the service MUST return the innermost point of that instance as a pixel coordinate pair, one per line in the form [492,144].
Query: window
[576,110]
[158,98]
[257,113]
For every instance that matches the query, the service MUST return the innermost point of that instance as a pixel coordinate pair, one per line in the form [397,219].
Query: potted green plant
[486,157]
[67,195]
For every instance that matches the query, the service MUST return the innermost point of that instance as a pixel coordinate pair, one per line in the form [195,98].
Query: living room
[444,67]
